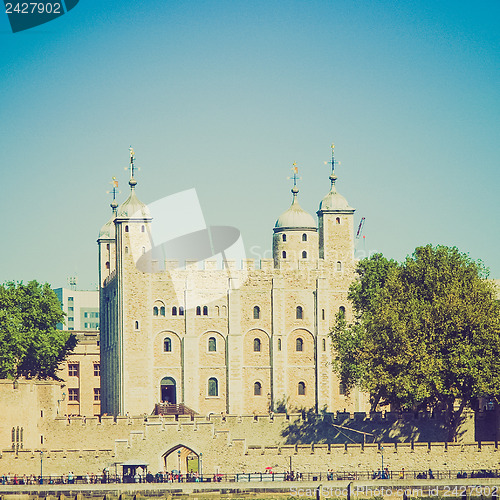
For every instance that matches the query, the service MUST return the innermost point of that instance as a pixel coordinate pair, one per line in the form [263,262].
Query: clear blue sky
[223,96]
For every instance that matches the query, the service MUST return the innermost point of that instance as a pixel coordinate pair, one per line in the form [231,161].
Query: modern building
[81,308]
[241,338]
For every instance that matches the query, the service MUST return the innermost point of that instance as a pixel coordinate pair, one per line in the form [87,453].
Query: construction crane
[360,228]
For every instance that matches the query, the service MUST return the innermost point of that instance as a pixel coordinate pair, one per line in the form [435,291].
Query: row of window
[74,395]
[213,388]
[160,311]
[257,344]
[304,237]
[74,370]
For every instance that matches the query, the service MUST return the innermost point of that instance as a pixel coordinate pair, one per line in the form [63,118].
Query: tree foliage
[30,344]
[426,333]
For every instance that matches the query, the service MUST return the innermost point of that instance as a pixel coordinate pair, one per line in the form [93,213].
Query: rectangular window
[73,369]
[97,394]
[97,370]
[85,315]
[71,309]
[70,299]
[71,318]
[74,395]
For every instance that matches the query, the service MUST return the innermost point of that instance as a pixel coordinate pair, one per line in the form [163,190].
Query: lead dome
[295,216]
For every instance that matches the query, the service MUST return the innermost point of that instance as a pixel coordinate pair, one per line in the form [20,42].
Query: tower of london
[235,337]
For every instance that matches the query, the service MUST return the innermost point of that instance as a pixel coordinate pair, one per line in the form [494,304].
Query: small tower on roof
[335,224]
[107,241]
[295,238]
[133,225]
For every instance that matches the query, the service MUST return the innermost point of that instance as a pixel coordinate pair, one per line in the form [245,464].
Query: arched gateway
[168,390]
[183,459]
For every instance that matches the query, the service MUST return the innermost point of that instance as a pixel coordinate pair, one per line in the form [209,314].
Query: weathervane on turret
[132,182]
[333,162]
[114,192]
[295,178]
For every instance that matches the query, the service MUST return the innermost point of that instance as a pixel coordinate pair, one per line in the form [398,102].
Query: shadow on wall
[391,427]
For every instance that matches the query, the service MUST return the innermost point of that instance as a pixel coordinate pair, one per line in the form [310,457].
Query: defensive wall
[231,444]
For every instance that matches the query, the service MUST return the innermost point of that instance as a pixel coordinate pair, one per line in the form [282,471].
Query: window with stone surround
[299,345]
[279,344]
[162,311]
[205,311]
[301,389]
[74,395]
[339,266]
[337,220]
[256,345]
[181,310]
[212,344]
[97,394]
[304,254]
[284,254]
[299,312]
[213,387]
[167,345]
[174,311]
[97,370]
[342,390]
[256,312]
[155,311]
[73,369]
[284,237]
[304,237]
[257,389]
[198,311]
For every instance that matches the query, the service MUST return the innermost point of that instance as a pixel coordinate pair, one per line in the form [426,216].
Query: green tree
[30,344]
[426,333]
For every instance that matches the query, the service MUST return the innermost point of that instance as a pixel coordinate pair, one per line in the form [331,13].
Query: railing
[246,477]
[173,409]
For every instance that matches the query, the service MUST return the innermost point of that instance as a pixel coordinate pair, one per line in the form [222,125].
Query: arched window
[339,266]
[284,237]
[142,229]
[174,311]
[299,313]
[304,254]
[256,345]
[107,246]
[126,249]
[162,311]
[304,237]
[155,311]
[342,311]
[143,250]
[205,311]
[256,312]
[324,344]
[224,310]
[181,310]
[107,265]
[283,254]
[212,344]
[217,311]
[301,389]
[213,387]
[337,220]
[126,229]
[167,345]
[136,325]
[257,389]
[279,344]
[299,344]
[198,311]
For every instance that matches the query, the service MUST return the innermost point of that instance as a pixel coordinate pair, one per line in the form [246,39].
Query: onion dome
[295,217]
